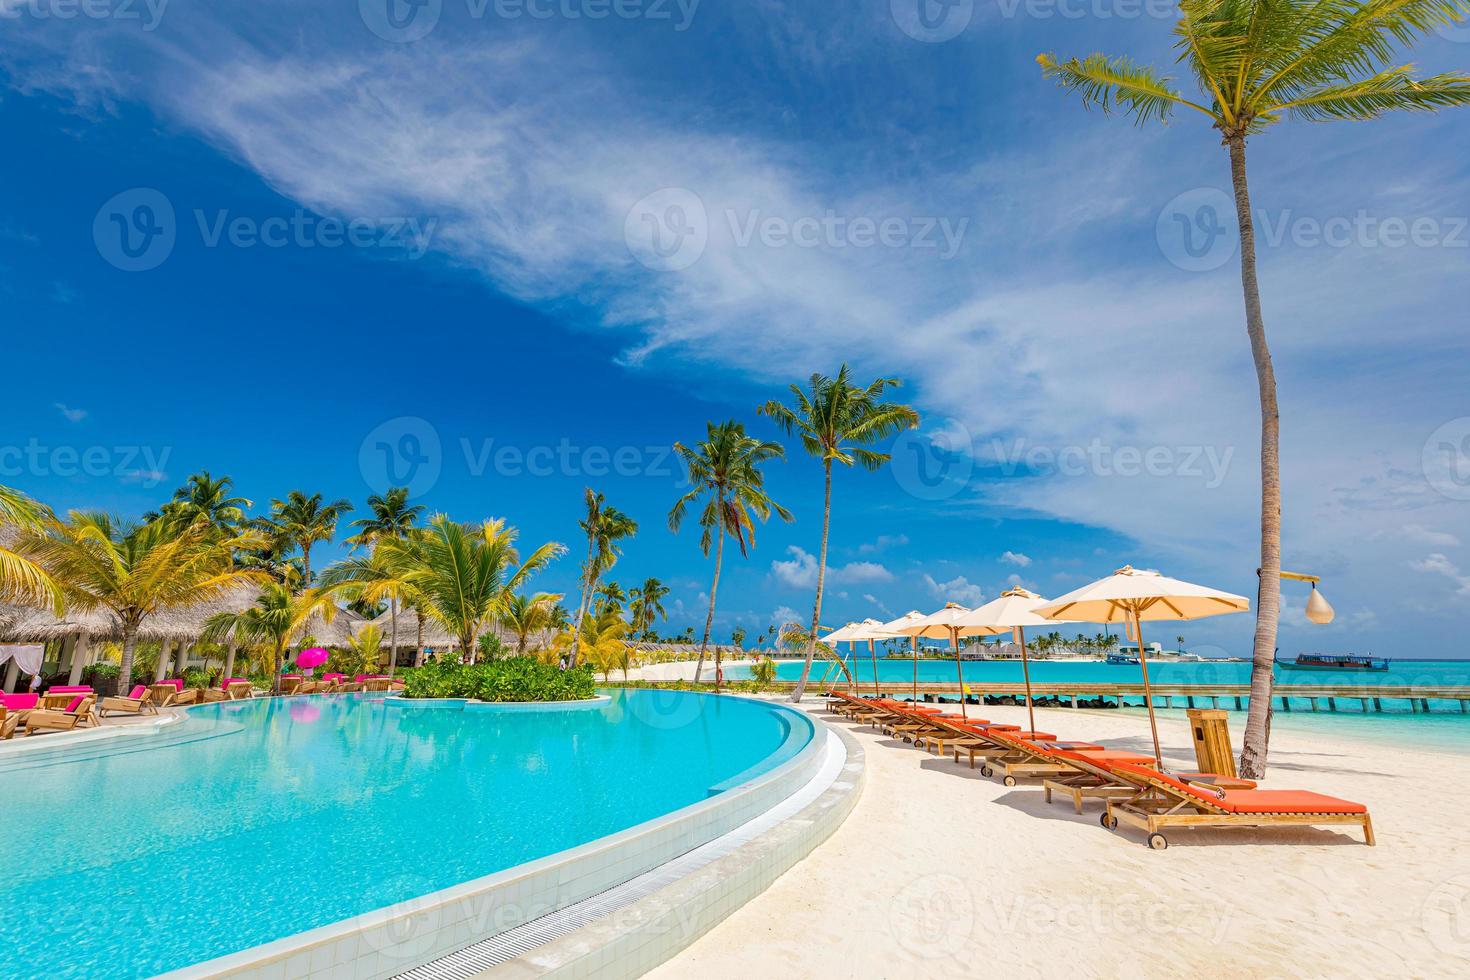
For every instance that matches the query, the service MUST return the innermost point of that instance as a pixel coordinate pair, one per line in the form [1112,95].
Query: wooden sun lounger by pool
[1163,802]
[136,703]
[47,720]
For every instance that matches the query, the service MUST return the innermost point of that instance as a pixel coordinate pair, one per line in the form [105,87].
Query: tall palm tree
[305,521]
[203,496]
[1256,63]
[737,636]
[602,642]
[645,604]
[466,575]
[277,619]
[524,615]
[725,469]
[612,596]
[383,573]
[835,420]
[604,526]
[136,570]
[392,517]
[22,581]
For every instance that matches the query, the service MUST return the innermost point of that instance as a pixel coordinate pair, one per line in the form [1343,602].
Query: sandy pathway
[939,872]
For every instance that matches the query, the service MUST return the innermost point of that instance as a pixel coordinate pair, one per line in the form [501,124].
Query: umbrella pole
[959,669]
[1148,697]
[914,644]
[1026,673]
[873,653]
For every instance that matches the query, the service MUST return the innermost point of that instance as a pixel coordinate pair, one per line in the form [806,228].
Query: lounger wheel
[1109,821]
[1157,841]
[987,771]
[1008,781]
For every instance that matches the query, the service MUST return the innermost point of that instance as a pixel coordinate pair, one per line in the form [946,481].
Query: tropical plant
[382,573]
[465,575]
[305,521]
[737,636]
[611,595]
[22,581]
[136,570]
[204,497]
[278,619]
[763,672]
[1256,63]
[362,655]
[392,517]
[725,470]
[604,526]
[524,615]
[603,642]
[511,679]
[645,604]
[835,420]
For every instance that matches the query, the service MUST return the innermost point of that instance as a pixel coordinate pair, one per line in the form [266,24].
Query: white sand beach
[681,670]
[940,872]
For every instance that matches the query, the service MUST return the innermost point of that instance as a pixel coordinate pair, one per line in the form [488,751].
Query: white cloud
[71,414]
[800,571]
[1439,564]
[878,604]
[1015,558]
[1430,536]
[882,543]
[958,589]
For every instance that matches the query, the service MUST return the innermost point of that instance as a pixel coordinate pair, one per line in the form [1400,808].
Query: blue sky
[826,187]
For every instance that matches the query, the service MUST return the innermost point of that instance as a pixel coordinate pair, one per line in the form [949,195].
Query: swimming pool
[250,821]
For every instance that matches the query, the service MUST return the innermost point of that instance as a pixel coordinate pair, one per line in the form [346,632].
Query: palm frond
[1117,83]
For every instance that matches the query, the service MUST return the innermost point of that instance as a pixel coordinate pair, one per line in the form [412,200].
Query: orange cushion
[1287,801]
[1036,736]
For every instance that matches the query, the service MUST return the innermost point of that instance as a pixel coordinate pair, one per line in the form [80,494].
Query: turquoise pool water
[254,820]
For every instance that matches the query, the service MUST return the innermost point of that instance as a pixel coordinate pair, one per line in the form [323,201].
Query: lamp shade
[1319,610]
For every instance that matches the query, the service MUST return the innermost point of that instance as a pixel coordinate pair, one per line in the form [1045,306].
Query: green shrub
[763,672]
[512,679]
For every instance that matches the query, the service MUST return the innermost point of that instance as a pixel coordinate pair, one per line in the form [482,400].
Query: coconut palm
[737,636]
[22,581]
[276,620]
[1256,63]
[305,521]
[465,575]
[836,420]
[381,574]
[611,595]
[524,615]
[725,470]
[203,496]
[645,604]
[604,526]
[136,570]
[602,642]
[392,517]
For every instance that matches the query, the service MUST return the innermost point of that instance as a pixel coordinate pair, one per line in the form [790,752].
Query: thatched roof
[437,637]
[19,624]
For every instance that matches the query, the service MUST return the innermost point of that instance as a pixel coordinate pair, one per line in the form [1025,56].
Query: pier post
[1413,706]
[1215,702]
[1365,705]
[1238,705]
[1464,706]
[1332,704]
[1285,703]
[1424,703]
[1378,705]
[1314,704]
[1168,700]
[1074,702]
[1189,700]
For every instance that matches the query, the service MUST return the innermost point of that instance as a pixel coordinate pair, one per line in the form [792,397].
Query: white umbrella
[1014,610]
[938,625]
[842,634]
[896,628]
[1132,595]
[871,630]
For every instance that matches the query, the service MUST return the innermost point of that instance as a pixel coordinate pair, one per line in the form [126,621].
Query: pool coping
[475,704]
[386,942]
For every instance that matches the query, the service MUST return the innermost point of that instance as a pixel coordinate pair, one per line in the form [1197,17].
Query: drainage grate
[524,938]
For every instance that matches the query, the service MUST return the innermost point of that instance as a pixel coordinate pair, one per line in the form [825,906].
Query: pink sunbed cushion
[76,703]
[69,689]
[138,691]
[177,682]
[21,702]
[334,677]
[233,680]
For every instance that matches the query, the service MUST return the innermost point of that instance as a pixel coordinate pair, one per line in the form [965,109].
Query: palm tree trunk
[280,662]
[709,617]
[418,652]
[130,649]
[305,567]
[1268,602]
[587,586]
[811,640]
[393,634]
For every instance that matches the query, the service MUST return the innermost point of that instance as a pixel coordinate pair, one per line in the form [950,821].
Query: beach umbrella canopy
[896,627]
[311,658]
[1135,596]
[842,634]
[871,630]
[940,625]
[1012,612]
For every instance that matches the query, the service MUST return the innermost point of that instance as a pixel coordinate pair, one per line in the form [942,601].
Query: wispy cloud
[800,571]
[71,414]
[1015,558]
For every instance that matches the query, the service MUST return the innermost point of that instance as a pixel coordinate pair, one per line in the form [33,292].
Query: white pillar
[12,674]
[185,648]
[163,657]
[66,654]
[79,658]
[230,661]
